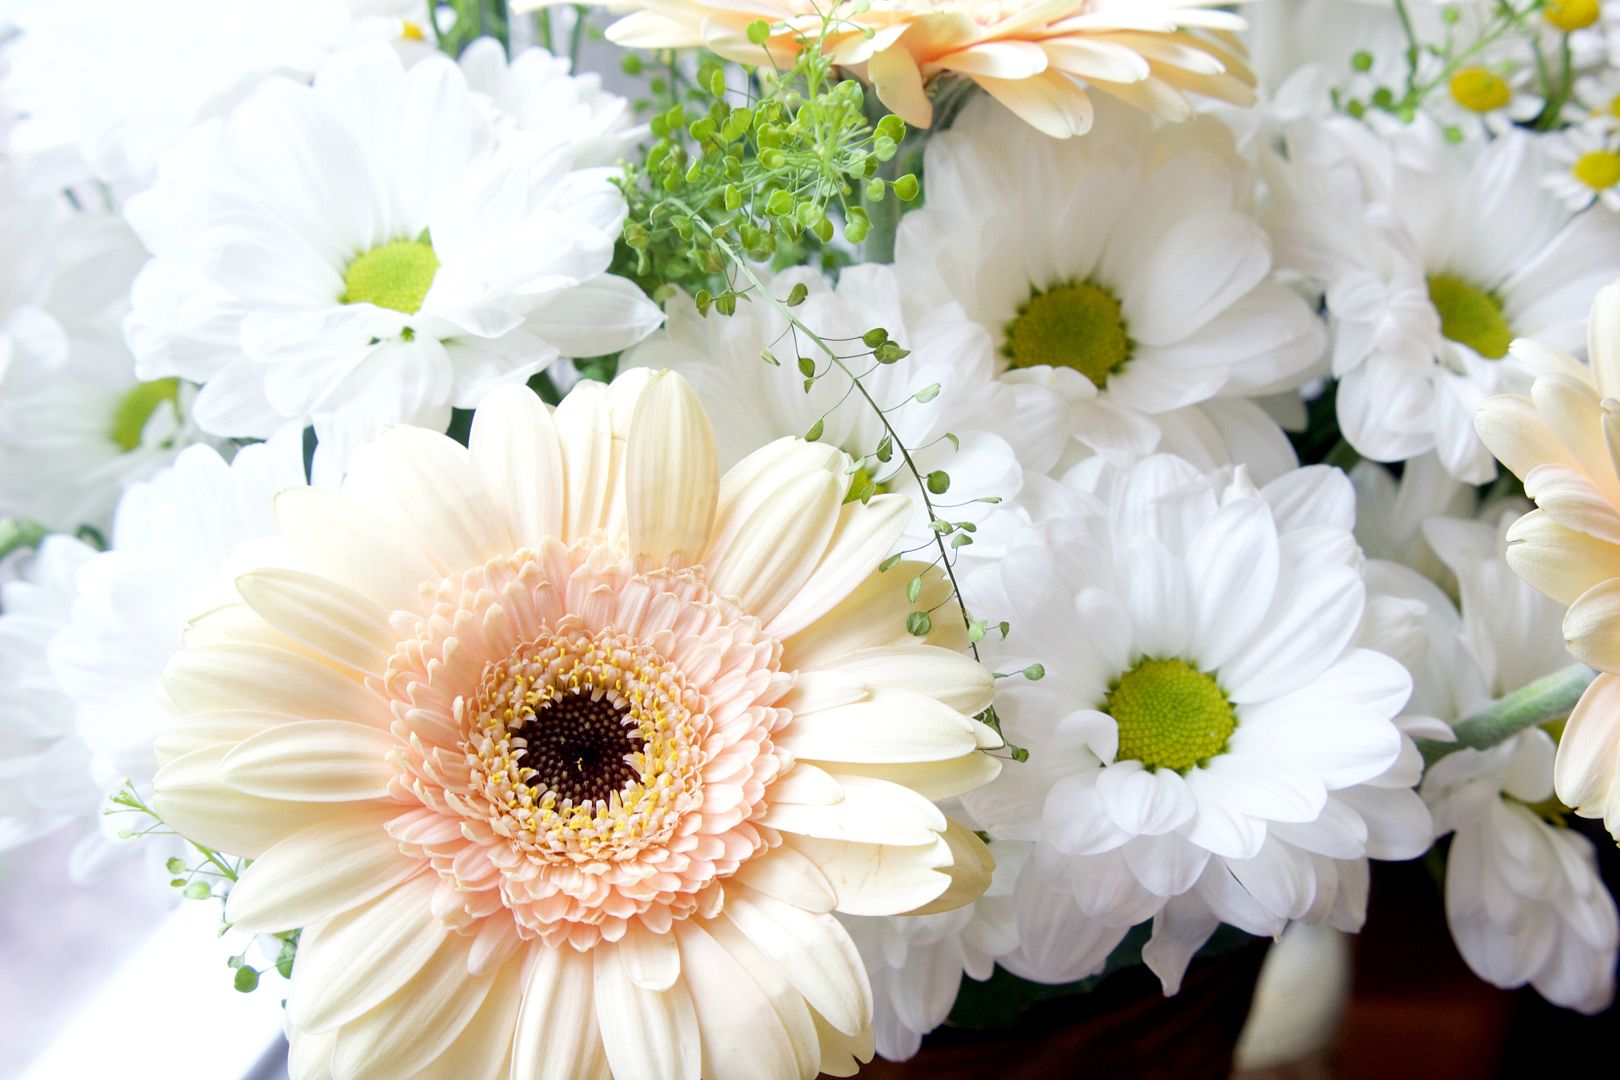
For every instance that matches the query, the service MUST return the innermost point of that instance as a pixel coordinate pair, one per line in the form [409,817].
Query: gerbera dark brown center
[579,747]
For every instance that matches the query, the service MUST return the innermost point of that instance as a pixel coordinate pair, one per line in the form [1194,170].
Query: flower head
[1559,440]
[1214,739]
[1128,275]
[1035,58]
[421,256]
[606,739]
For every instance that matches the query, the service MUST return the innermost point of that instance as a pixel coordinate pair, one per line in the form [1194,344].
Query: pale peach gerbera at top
[1563,441]
[562,750]
[1035,57]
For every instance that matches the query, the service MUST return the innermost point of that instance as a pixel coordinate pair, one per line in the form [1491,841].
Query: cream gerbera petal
[514,445]
[334,620]
[526,711]
[313,761]
[334,866]
[671,472]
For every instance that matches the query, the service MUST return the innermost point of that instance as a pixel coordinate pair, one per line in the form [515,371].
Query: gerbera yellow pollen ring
[1036,58]
[563,750]
[1563,441]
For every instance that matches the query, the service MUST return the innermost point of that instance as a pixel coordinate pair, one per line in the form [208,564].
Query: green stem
[578,36]
[1548,698]
[747,270]
[19,533]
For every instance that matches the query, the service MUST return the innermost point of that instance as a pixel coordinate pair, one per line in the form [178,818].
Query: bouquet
[712,538]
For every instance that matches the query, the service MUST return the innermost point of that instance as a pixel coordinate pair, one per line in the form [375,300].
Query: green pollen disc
[136,408]
[1077,325]
[863,477]
[396,276]
[1470,316]
[1170,715]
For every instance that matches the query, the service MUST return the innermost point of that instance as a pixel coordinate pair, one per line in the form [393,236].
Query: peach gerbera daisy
[1563,441]
[1035,58]
[562,750]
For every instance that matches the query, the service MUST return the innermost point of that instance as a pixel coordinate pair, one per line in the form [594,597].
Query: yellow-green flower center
[1077,325]
[1170,715]
[1479,90]
[135,408]
[863,479]
[1598,169]
[1570,15]
[396,276]
[1470,316]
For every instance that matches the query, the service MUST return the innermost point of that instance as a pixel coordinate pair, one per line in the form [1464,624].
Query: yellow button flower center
[1170,715]
[1569,15]
[135,408]
[1598,169]
[1479,90]
[1077,325]
[1470,316]
[396,276]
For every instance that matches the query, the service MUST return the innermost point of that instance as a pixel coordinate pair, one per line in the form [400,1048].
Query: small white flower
[535,93]
[1587,160]
[1002,429]
[1214,739]
[107,86]
[916,962]
[76,425]
[1597,97]
[1390,513]
[1422,297]
[371,250]
[1484,100]
[1523,896]
[1123,270]
[93,631]
[44,768]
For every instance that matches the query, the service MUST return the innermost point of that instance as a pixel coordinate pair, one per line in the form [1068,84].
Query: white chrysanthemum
[1523,896]
[536,93]
[1422,298]
[404,261]
[602,740]
[1482,100]
[1586,161]
[76,425]
[117,620]
[109,85]
[1214,739]
[916,961]
[1390,513]
[1597,97]
[1125,271]
[44,771]
[1002,429]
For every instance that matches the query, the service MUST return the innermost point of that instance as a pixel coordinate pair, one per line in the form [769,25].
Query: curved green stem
[1547,699]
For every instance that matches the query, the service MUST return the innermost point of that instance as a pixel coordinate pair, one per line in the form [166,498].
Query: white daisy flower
[1214,739]
[916,961]
[408,263]
[1597,97]
[536,93]
[1124,270]
[45,770]
[1001,429]
[89,695]
[76,424]
[1523,896]
[1390,513]
[1422,299]
[1587,160]
[107,86]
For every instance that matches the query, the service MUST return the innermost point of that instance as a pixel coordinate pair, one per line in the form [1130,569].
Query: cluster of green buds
[1463,64]
[770,171]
